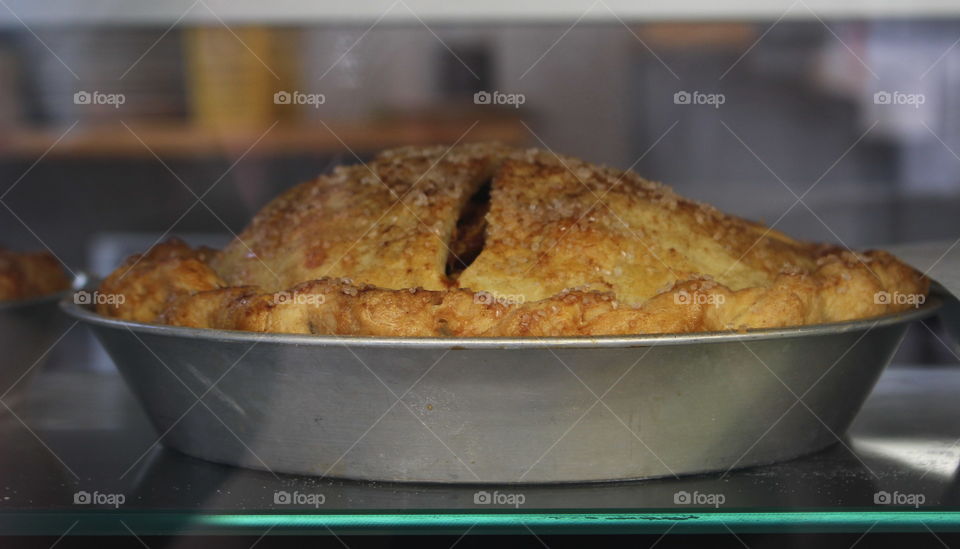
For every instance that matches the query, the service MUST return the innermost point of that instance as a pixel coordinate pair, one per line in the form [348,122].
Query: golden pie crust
[482,240]
[26,275]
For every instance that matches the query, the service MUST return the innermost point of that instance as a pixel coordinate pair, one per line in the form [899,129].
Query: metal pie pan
[568,409]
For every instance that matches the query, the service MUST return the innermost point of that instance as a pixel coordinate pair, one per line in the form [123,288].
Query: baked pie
[26,275]
[483,240]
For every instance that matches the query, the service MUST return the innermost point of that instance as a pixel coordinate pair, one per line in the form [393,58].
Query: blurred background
[120,125]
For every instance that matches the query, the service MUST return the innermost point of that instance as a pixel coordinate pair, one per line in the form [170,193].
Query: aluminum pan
[502,410]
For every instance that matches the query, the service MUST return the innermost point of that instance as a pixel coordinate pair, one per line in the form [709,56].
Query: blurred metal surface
[502,410]
[27,329]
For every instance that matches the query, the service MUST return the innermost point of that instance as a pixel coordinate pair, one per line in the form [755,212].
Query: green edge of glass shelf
[162,523]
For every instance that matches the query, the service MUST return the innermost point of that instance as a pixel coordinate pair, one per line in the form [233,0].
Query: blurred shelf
[437,11]
[179,140]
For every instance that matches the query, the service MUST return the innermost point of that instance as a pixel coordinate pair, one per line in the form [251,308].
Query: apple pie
[484,240]
[26,275]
